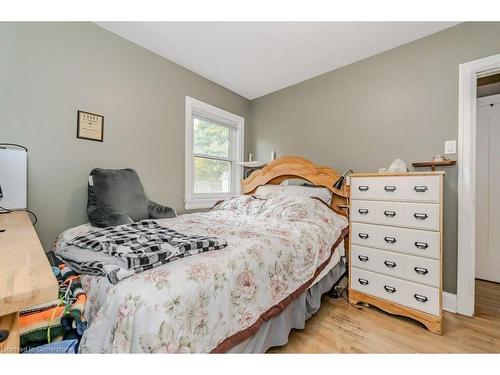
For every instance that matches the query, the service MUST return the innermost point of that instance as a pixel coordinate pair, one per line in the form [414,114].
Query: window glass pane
[211,139]
[212,176]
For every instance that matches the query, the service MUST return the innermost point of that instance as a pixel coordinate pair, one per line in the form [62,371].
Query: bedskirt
[275,331]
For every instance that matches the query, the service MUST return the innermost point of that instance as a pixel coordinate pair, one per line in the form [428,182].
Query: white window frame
[195,107]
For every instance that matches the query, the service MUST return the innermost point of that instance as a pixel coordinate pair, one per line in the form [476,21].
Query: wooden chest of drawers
[396,244]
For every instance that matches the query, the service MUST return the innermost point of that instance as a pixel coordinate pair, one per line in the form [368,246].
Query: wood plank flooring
[341,328]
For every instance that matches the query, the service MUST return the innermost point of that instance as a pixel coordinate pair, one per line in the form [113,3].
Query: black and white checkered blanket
[137,247]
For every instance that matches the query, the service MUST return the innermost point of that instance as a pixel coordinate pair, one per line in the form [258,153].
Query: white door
[488,189]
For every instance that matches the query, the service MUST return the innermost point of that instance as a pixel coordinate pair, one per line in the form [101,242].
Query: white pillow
[295,191]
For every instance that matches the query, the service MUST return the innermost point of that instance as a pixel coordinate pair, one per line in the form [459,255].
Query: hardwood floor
[341,328]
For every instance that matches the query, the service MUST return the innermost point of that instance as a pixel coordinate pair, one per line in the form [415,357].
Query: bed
[283,253]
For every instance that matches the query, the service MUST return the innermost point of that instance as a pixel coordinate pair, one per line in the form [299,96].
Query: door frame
[467,104]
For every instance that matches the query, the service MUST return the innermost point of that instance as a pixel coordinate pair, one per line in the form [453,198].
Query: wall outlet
[450,147]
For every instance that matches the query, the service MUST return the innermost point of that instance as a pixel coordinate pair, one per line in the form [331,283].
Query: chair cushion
[115,197]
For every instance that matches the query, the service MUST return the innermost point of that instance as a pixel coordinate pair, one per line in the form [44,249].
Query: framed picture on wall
[90,126]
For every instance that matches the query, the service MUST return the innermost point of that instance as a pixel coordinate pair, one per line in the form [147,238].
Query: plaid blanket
[129,249]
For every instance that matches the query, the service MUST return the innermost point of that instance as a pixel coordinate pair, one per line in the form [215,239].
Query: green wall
[48,71]
[402,103]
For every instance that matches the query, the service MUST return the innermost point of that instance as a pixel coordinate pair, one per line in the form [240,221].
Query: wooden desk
[26,278]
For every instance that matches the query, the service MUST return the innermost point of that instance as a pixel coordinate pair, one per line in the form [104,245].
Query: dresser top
[26,278]
[392,174]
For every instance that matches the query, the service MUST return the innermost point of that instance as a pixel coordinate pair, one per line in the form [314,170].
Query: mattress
[277,249]
[275,332]
[338,254]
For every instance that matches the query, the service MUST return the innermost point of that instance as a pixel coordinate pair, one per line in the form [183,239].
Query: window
[214,146]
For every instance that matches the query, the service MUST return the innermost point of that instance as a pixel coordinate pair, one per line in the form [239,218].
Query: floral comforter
[211,301]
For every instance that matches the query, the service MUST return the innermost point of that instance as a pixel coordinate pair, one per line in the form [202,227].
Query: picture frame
[90,126]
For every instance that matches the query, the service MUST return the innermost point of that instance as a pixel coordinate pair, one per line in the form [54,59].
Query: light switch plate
[450,147]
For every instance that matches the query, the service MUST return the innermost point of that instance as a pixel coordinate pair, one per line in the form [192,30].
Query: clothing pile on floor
[56,326]
[122,251]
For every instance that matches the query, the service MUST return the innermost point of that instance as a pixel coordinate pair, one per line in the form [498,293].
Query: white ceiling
[256,58]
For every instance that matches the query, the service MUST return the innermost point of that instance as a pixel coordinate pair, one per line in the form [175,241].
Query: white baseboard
[450,302]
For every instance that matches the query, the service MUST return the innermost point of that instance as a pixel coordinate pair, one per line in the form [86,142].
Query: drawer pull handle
[390,213]
[420,298]
[390,239]
[363,236]
[363,211]
[363,281]
[420,189]
[389,289]
[419,216]
[389,264]
[421,270]
[390,188]
[363,258]
[421,245]
[363,188]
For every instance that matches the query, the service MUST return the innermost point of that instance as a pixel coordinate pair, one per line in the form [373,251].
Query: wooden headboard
[289,167]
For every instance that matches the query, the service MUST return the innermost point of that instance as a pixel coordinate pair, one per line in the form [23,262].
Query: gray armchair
[116,197]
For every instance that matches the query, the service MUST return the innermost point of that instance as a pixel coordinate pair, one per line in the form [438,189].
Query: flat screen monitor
[13,178]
